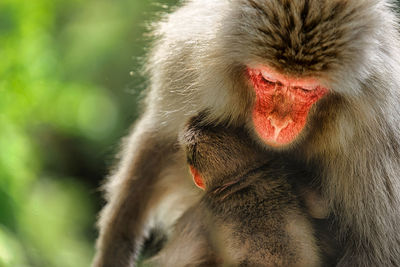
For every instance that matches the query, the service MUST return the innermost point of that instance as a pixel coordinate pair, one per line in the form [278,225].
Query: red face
[282,104]
[198,180]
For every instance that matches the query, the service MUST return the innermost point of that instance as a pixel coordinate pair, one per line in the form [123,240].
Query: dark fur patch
[304,35]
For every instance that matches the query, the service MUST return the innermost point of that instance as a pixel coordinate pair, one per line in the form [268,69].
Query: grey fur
[352,136]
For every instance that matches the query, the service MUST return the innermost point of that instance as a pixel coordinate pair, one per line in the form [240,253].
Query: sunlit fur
[198,63]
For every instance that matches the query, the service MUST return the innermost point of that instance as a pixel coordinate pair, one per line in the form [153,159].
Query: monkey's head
[217,154]
[294,53]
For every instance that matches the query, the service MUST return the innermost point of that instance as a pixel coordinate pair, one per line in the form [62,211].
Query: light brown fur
[352,136]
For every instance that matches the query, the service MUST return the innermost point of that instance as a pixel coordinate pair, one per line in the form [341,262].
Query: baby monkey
[252,212]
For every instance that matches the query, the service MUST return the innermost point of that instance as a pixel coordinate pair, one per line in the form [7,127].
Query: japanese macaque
[315,80]
[253,211]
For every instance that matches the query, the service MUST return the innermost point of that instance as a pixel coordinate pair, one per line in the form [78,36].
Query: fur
[352,137]
[251,214]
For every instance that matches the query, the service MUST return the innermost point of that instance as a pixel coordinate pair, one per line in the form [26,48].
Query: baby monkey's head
[218,153]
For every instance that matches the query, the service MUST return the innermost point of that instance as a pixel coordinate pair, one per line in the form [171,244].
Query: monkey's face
[282,104]
[216,153]
[293,51]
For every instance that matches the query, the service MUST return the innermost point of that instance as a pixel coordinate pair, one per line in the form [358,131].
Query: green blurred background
[69,90]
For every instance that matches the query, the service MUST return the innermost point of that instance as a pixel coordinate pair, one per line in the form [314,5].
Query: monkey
[314,80]
[251,214]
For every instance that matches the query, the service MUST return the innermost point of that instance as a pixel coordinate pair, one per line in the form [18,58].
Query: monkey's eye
[267,79]
[268,82]
[304,89]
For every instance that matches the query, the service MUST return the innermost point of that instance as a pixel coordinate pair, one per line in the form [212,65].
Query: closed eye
[302,89]
[268,82]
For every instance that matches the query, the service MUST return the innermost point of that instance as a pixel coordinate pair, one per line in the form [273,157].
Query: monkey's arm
[142,182]
[121,221]
[150,172]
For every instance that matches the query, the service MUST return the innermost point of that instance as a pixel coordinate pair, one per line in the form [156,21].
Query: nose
[279,123]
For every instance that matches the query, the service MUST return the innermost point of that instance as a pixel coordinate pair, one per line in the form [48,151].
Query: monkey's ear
[198,180]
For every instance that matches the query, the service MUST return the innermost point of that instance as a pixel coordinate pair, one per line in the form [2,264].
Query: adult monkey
[317,80]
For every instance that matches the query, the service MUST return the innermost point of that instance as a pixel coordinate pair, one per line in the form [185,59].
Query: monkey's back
[261,222]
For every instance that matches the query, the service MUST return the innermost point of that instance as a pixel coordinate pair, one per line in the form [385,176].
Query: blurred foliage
[66,98]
